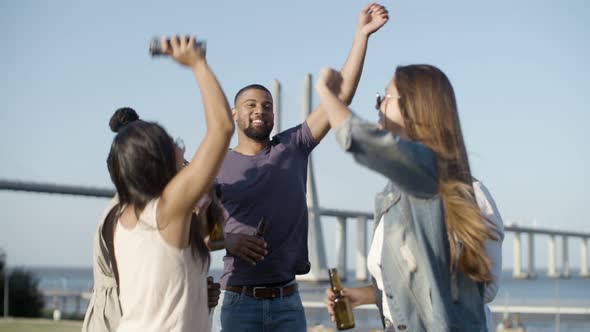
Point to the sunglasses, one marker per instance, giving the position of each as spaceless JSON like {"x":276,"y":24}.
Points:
{"x":380,"y":98}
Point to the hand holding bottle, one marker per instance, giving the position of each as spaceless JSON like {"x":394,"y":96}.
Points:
{"x":250,"y":248}
{"x":213,"y":292}
{"x":356,"y":297}
{"x":339,"y":306}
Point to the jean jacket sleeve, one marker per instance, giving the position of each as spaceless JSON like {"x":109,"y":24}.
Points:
{"x":409,"y":164}
{"x":493,"y":221}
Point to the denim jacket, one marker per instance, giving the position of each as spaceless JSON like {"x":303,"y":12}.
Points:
{"x":421,"y":291}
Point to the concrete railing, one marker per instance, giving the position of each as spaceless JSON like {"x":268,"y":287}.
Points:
{"x":531,"y":232}
{"x":361,"y":218}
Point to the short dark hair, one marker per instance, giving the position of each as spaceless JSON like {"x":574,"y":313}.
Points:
{"x":249,"y":87}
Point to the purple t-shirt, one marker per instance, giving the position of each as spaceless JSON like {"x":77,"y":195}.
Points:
{"x":272,"y":184}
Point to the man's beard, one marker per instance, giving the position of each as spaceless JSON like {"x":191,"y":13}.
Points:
{"x":258,"y":134}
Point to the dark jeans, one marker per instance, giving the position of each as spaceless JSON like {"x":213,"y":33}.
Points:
{"x":240,"y":312}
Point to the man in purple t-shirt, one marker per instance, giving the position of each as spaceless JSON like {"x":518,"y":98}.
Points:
{"x":267,"y":178}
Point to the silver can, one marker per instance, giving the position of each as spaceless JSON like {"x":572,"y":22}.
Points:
{"x":156,"y":48}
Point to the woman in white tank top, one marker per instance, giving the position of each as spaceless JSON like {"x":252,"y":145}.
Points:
{"x":161,"y":259}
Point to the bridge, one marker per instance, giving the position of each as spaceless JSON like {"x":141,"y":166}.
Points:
{"x":319,"y":270}
{"x":360,"y":220}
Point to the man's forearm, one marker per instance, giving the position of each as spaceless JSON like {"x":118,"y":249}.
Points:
{"x":335,"y":109}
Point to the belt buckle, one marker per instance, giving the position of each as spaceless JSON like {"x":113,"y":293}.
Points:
{"x":254,"y":289}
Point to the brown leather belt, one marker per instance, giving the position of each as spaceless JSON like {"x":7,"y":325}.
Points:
{"x":264,"y":293}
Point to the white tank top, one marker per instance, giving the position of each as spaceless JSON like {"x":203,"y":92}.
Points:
{"x":162,"y":288}
{"x":373,"y":265}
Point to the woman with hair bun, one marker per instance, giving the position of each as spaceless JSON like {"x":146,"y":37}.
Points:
{"x":158,"y":260}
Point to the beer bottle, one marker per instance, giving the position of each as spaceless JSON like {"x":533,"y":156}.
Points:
{"x":342,"y":309}
{"x":213,"y":215}
{"x":216,"y":233}
{"x":261,"y":227}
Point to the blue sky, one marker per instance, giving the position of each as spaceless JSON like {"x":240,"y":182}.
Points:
{"x":519,"y":69}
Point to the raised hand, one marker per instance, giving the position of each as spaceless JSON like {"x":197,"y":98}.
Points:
{"x":329,"y":78}
{"x":182,"y":50}
{"x":251,"y":249}
{"x":372,"y":18}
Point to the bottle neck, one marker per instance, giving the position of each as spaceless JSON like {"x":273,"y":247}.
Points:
{"x":335,"y":282}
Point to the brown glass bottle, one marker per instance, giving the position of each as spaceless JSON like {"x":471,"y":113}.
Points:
{"x":216,"y":233}
{"x":342,"y":309}
{"x":261,"y":227}
{"x":213,"y":218}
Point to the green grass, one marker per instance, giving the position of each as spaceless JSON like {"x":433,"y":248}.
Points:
{"x":38,"y":325}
